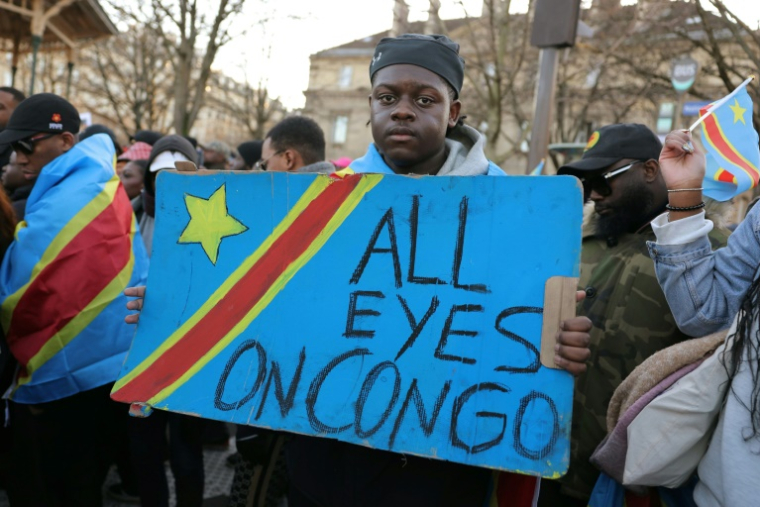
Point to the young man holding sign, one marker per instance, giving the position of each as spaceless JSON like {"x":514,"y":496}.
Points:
{"x":415,"y":117}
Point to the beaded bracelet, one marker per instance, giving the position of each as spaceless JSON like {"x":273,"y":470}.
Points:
{"x":685,"y":190}
{"x":685,"y":208}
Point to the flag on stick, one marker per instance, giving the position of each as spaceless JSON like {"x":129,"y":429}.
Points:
{"x":733,"y":156}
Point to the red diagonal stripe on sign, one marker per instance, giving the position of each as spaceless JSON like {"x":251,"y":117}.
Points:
{"x":83,"y":268}
{"x":242,"y":296}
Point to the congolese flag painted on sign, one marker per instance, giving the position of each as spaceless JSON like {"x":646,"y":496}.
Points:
{"x":393,"y":312}
{"x":62,"y":279}
{"x":733,"y":156}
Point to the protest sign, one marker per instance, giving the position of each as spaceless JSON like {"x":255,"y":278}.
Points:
{"x":392,"y":312}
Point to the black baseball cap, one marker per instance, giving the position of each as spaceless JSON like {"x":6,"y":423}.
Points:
{"x":613,"y":143}
{"x":42,"y":112}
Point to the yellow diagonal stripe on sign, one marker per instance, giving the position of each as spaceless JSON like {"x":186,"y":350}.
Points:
{"x":316,"y":188}
{"x":365,"y":185}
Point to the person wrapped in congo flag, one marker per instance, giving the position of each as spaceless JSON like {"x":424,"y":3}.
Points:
{"x":62,"y":307}
{"x":62,"y":279}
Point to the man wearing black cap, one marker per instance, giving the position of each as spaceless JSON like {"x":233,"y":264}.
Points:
{"x":631,"y":319}
{"x":41,"y":130}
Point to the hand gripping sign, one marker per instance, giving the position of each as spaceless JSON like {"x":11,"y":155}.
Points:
{"x":392,"y":312}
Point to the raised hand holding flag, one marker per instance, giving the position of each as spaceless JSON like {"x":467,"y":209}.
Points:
{"x":731,"y":144}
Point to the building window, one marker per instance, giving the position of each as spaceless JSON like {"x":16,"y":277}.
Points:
{"x":340,"y":129}
{"x":346,"y":72}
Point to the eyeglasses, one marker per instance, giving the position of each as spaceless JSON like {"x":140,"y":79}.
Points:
{"x":600,"y":184}
{"x":26,"y":146}
{"x":261,"y":165}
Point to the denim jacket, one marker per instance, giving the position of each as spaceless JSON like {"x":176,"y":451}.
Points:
{"x":705,"y":288}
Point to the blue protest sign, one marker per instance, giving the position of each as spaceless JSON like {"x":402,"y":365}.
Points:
{"x":392,"y":312}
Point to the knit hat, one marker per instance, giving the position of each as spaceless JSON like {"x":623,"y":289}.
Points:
{"x":436,"y":53}
{"x":250,"y":151}
{"x":170,"y":144}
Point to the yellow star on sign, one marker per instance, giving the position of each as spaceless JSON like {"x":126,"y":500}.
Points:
{"x":210,"y":222}
{"x":738,"y":112}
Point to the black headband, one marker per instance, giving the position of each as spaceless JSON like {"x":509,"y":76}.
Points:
{"x":436,"y":53}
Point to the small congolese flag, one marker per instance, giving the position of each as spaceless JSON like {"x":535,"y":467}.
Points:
{"x":63,"y":277}
{"x":733,"y":156}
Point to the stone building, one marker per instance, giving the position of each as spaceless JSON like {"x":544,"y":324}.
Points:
{"x":617,"y":72}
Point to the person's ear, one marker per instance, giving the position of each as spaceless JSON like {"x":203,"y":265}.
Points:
{"x":69,"y":140}
{"x":292,"y":159}
{"x":651,"y":170}
{"x":454,"y":110}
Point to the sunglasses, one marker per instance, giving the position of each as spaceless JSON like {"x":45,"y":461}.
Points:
{"x":26,"y":146}
{"x":601,"y":184}
{"x":261,"y":165}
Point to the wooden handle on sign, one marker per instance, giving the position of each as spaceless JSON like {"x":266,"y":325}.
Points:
{"x":185,"y":166}
{"x":559,"y":305}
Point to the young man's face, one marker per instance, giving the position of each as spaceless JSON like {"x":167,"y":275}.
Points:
{"x":410,"y":112}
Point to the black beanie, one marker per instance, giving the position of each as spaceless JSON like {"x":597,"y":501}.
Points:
{"x":436,"y":53}
{"x":147,"y":136}
{"x":251,"y":152}
{"x":168,"y":143}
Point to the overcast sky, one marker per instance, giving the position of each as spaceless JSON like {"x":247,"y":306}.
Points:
{"x":279,"y":51}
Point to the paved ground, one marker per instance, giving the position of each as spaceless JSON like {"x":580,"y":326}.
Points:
{"x":218,"y":481}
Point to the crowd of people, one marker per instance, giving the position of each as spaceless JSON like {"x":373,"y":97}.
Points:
{"x":74,"y":225}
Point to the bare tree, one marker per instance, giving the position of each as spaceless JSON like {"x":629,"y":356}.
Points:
{"x":129,"y":75}
{"x":253,"y":107}
{"x":619,"y":73}
{"x":192,"y":33}
{"x":595,"y":83}
{"x":733,"y":47}
{"x":500,"y":66}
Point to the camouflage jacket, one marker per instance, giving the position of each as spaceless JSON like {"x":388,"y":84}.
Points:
{"x":631,"y":321}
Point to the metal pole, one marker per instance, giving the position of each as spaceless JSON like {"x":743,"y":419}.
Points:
{"x":68,"y":79}
{"x":678,"y":111}
{"x":544,"y":104}
{"x":36,"y":41}
{"x":14,"y":60}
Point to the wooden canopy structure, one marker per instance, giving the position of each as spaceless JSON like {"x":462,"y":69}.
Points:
{"x":56,"y":25}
